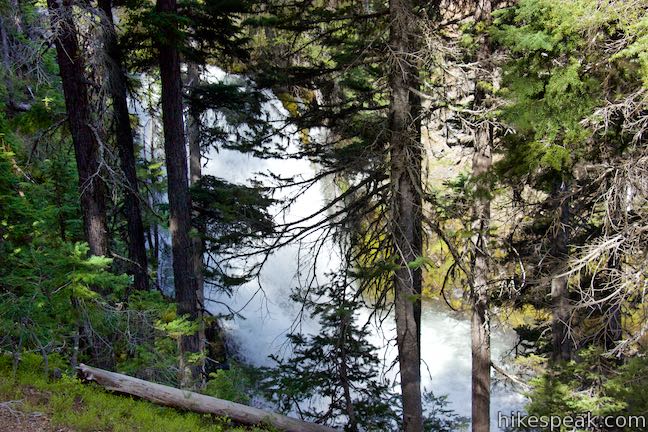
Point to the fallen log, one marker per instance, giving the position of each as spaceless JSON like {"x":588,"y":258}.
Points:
{"x":196,"y":402}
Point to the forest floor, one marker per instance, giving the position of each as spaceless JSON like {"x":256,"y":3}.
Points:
{"x":29,"y":401}
{"x":14,"y":417}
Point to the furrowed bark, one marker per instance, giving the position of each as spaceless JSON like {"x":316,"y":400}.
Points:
{"x":482,"y":161}
{"x":86,"y":145}
{"x":124,"y":137}
{"x":185,"y":280}
{"x":406,"y":156}
{"x":196,"y":402}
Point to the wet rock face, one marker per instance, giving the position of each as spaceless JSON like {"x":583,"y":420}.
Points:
{"x":447,"y":134}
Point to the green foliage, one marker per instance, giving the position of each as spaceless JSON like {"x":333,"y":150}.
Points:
{"x":203,"y":31}
{"x":334,"y":369}
{"x":637,"y":49}
{"x":568,"y":58}
{"x":549,"y":83}
{"x":86,"y":407}
{"x":50,"y":286}
{"x":338,"y":367}
{"x":594,"y":384}
{"x":241,"y":105}
{"x":235,"y":216}
{"x":45,"y":275}
{"x":233,"y":384}
{"x":338,"y":51}
{"x":420,"y":262}
{"x":627,"y":386}
{"x":439,"y":418}
{"x":181,"y":326}
{"x":575,"y":68}
{"x":557,"y":78}
{"x":28,"y":84}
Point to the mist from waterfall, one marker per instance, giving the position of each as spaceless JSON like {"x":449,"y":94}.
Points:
{"x":268,"y":313}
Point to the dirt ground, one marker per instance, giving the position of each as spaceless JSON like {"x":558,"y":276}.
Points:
{"x":13,"y":418}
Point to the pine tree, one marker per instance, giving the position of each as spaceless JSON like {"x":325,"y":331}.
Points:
{"x":574,"y":132}
{"x":479,"y":272}
{"x":332,"y":377}
{"x":549,"y":137}
{"x":126,"y":147}
{"x":86,"y":146}
{"x":185,"y":278}
{"x":373,"y":111}
{"x":404,"y":128}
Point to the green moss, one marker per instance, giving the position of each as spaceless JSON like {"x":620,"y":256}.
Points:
{"x":525,"y":315}
{"x":290,"y":103}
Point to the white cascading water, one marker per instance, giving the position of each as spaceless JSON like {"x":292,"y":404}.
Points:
{"x":270,"y":314}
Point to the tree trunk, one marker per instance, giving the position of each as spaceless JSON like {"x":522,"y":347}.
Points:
{"x":352,"y":425}
{"x":195,"y":173}
{"x":482,"y":161}
{"x":196,"y":402}
{"x":124,"y":134}
{"x":185,"y":280}
{"x":561,"y":342}
{"x":154,"y":252}
{"x":86,"y":144}
{"x":6,"y":61}
{"x":406,"y":155}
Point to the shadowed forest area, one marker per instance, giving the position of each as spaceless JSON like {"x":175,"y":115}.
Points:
{"x":319,"y":215}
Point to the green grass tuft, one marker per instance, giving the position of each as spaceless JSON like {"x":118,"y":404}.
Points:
{"x":87,"y":407}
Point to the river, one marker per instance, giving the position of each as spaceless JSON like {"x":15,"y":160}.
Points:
{"x":269,"y":314}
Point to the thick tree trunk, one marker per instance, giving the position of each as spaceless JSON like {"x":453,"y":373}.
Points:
{"x":482,"y":161}
{"x":185,"y":280}
{"x":124,"y":134}
{"x":196,"y":402}
{"x":406,"y":155}
{"x":86,"y":144}
{"x":562,"y":346}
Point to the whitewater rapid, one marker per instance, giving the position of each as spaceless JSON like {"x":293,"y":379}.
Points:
{"x":268,"y":313}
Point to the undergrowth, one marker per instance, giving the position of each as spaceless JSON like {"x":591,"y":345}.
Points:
{"x":87,"y":407}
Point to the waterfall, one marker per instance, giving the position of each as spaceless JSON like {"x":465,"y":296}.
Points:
{"x":270,"y":314}
{"x":446,"y":358}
